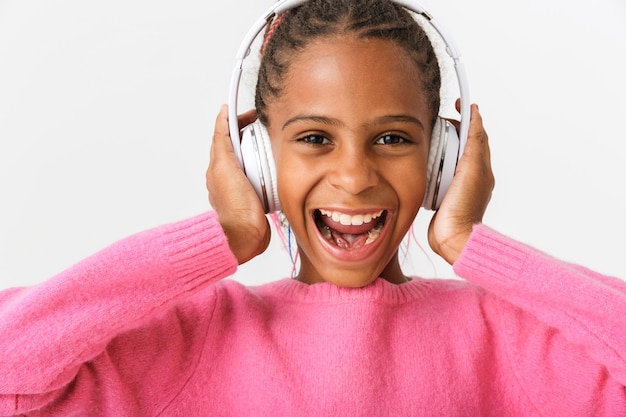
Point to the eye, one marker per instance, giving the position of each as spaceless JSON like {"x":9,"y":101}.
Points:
{"x":314,"y":140}
{"x":390,"y":139}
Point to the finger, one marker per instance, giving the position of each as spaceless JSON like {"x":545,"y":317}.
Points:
{"x":221,"y":122}
{"x":478,"y":133}
{"x":478,"y":143}
{"x":455,"y":123}
{"x":476,"y":158}
{"x":221,"y":144}
{"x":246,"y":118}
{"x":222,"y":127}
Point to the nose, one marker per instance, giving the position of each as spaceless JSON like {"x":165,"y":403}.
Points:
{"x":353,"y":171}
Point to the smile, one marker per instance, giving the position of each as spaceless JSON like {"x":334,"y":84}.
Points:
{"x":350,"y":231}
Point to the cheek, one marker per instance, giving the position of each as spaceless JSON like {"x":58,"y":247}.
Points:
{"x":293,"y":183}
{"x":295,"y":176}
{"x":293,"y":180}
{"x":410,"y":187}
{"x":411,"y":197}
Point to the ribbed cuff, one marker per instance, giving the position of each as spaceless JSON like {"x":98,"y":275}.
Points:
{"x":198,"y":249}
{"x":490,"y":256}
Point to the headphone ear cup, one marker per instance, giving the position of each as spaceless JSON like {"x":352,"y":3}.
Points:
{"x":259,"y":165}
{"x":442,"y":158}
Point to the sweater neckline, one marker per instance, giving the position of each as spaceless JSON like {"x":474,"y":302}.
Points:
{"x":379,"y":290}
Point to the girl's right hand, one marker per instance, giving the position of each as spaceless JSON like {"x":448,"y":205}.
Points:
{"x":237,"y":205}
{"x":466,"y":201}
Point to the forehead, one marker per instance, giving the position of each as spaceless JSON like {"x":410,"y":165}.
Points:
{"x":366,"y":56}
{"x":365,"y":74}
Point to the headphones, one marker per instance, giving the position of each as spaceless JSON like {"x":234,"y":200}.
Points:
{"x":254,"y":151}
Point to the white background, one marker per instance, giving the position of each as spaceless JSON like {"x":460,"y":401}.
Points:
{"x":107,"y":110}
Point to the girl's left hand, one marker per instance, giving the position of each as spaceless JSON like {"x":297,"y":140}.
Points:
{"x":231,"y":195}
{"x":467,"y":198}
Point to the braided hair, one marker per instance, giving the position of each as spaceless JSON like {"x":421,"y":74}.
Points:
{"x":365,"y":19}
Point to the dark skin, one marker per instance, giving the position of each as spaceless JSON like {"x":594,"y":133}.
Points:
{"x":232,"y":196}
{"x":247,"y":229}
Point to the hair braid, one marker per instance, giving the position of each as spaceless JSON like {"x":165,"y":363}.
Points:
{"x":291,"y":32}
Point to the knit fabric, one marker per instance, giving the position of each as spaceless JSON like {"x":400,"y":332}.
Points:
{"x":148,"y":327}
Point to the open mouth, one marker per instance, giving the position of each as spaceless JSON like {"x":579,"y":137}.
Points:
{"x":347,"y":231}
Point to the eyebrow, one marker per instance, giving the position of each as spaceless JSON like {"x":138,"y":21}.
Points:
{"x":313,"y":118}
{"x":336,"y":122}
{"x":399,"y":118}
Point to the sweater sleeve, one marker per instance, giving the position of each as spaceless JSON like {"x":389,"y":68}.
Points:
{"x":584,"y":312}
{"x":48,"y":331}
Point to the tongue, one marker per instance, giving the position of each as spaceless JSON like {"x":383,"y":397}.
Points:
{"x":347,"y":240}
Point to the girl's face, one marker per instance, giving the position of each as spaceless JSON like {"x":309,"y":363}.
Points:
{"x":350,"y":134}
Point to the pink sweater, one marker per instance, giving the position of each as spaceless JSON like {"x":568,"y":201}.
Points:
{"x":147,"y":327}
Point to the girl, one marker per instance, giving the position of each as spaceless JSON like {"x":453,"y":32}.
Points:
{"x":147,"y":326}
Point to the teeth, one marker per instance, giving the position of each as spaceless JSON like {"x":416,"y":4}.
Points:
{"x":347,"y":220}
{"x":373,"y":234}
{"x":326,"y":232}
